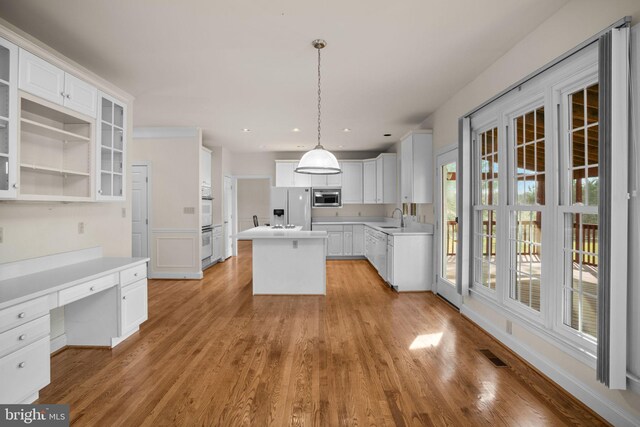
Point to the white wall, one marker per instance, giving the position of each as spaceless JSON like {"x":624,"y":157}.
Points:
{"x":175,"y":190}
{"x":571,"y":25}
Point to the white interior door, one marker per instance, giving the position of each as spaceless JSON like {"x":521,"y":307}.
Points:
{"x":140,"y":211}
{"x":228,"y":217}
{"x":447,"y":226}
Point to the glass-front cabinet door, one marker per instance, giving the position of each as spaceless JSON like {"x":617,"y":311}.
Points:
{"x":8,"y":119}
{"x":111,"y":149}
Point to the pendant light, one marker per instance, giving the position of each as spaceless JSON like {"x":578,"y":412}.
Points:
{"x":319,"y":161}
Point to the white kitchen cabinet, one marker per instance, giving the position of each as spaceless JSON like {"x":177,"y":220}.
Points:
{"x":351,"y":182}
{"x":347,"y":241}
{"x":416,"y":167}
{"x":111,"y":149}
{"x":386,"y":178}
{"x":287,"y":177}
{"x":217,"y":243}
{"x":358,"y":240}
{"x":335,"y":243}
{"x":80,"y":95}
{"x":133,"y":307}
{"x":56,"y":152}
{"x":284,"y":174}
{"x":205,"y":167}
{"x":410,"y":262}
{"x":369,"y":181}
{"x":8,"y":120}
{"x":49,"y":82}
{"x":329,"y":181}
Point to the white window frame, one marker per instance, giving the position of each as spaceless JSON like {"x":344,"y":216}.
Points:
{"x":548,"y":323}
{"x":483,"y":124}
{"x":561,"y":92}
{"x":534,"y":98}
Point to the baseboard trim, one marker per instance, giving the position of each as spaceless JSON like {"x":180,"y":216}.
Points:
{"x":58,"y":343}
{"x":118,"y":340}
{"x":604,"y":407}
{"x":188,"y":276}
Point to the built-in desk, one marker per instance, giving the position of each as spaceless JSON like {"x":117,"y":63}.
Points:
{"x":104,"y":300}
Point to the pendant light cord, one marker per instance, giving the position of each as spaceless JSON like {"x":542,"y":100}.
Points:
{"x":319,"y":100}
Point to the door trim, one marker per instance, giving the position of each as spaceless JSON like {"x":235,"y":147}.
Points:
{"x":149,"y":210}
{"x":448,"y":291}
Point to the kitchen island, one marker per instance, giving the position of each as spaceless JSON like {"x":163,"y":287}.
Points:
{"x":287,"y":261}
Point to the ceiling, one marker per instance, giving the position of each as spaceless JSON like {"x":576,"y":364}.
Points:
{"x":229,"y":65}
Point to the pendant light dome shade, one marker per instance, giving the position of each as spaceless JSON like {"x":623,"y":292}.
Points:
{"x":318,"y":162}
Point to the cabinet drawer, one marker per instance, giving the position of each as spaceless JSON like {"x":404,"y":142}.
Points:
{"x":133,"y":274}
{"x":20,"y":336}
{"x":348,"y":228}
{"x":25,"y":312}
{"x":82,"y":290}
{"x":25,"y":371}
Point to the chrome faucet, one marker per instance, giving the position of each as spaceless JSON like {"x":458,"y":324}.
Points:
{"x":401,"y":216}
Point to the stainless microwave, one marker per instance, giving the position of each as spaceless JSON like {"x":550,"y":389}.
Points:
{"x":327,"y":197}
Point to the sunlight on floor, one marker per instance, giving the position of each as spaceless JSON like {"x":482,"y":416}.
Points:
{"x":425,"y":341}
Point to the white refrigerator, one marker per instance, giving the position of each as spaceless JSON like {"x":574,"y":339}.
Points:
{"x":294,"y":204}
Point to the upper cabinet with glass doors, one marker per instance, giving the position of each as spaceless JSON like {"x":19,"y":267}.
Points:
{"x":111,"y":148}
{"x":8,"y":119}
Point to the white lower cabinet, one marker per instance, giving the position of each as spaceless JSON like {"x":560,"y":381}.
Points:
{"x":25,"y":372}
{"x":334,"y":243}
{"x":133,"y":306}
{"x":358,"y":240}
{"x":410,"y":262}
{"x":217,"y":243}
{"x":343,"y":240}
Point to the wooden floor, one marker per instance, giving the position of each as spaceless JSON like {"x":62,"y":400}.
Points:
{"x":213,"y":354}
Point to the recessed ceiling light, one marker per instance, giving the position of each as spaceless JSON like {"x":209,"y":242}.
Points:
{"x":246,"y":130}
{"x":263,"y":146}
{"x":387,"y":134}
{"x":295,"y":130}
{"x":339,"y":146}
{"x":300,"y":146}
{"x":346,"y":130}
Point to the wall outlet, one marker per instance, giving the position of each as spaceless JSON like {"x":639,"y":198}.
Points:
{"x":189,"y":210}
{"x":509,"y":327}
{"x":124,"y":212}
{"x":1,"y":234}
{"x":359,"y":213}
{"x":295,"y":244}
{"x":336,"y":213}
{"x":81,"y":228}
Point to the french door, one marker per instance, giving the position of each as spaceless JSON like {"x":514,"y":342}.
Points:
{"x":446,"y":235}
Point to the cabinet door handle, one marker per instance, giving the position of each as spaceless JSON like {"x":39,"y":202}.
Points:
{"x":92,"y":289}
{"x":68,"y":96}
{"x":99,"y":191}
{"x":62,"y":94}
{"x":15,"y":186}
{"x":22,"y":337}
{"x":21,"y":365}
{"x":21,"y":315}
{"x":135,"y":274}
{"x":124,"y":297}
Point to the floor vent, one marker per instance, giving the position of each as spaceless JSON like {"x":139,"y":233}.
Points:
{"x":499,"y":363}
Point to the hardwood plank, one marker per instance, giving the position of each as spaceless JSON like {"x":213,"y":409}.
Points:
{"x":213,"y":354}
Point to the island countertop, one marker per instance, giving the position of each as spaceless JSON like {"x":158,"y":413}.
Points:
{"x":265,"y":232}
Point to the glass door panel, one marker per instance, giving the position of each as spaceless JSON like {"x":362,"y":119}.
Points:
{"x":447,"y":227}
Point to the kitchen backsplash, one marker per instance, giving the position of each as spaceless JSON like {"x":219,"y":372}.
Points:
{"x":351,"y":211}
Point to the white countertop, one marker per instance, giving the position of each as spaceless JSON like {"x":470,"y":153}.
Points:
{"x":266,"y":232}
{"x":26,"y":287}
{"x":411,"y":230}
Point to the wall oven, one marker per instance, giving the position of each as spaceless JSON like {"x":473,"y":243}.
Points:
{"x":207,"y":213}
{"x":327,"y":197}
